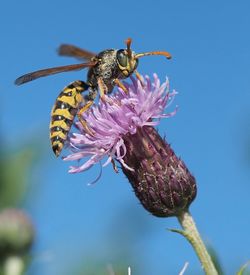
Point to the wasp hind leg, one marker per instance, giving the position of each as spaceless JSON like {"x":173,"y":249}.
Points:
{"x":82,"y":120}
{"x":88,"y":101}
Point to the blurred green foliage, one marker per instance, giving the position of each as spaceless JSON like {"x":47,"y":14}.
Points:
{"x":15,"y":170}
{"x":243,"y":270}
{"x":16,"y":230}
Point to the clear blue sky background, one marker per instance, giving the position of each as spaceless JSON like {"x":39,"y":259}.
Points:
{"x":210,"y":44}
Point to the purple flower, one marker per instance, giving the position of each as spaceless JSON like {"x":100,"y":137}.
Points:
{"x":118,"y":115}
{"x":121,"y":128}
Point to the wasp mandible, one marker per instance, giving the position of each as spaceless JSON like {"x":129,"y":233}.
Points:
{"x":105,"y":70}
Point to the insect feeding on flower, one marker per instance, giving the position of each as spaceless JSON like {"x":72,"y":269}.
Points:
{"x":105,"y":70}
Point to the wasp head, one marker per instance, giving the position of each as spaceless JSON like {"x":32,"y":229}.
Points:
{"x":128,"y":60}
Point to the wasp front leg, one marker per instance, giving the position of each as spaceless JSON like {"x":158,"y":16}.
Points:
{"x":102,"y":88}
{"x":139,"y":77}
{"x":117,"y":82}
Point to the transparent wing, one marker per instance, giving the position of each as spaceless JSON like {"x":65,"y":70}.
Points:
{"x":45,"y":72}
{"x":73,"y":51}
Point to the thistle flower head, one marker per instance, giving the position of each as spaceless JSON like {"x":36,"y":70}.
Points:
{"x":116,"y":116}
{"x":121,"y":128}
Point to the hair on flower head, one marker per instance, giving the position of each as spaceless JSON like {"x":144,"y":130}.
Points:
{"x":111,"y":120}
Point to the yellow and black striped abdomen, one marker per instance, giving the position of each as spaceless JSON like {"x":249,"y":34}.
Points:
{"x":63,"y":113}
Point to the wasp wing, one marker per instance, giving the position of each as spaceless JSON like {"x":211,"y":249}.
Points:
{"x":73,"y":51}
{"x":45,"y":72}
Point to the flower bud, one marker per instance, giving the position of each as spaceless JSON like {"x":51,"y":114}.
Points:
{"x":160,"y":179}
{"x":16,"y":232}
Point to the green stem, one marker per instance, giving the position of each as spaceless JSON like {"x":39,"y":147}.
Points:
{"x":191,"y":233}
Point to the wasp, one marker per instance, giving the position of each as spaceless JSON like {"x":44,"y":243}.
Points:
{"x":105,"y":70}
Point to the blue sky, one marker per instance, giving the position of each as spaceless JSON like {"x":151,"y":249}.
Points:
{"x":210,"y":43}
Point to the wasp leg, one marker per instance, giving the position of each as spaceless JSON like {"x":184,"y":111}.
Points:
{"x":102,"y":87}
{"x":139,"y":77}
{"x":82,"y":120}
{"x":120,"y":84}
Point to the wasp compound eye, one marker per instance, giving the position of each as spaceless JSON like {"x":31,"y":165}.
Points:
{"x":122,"y":58}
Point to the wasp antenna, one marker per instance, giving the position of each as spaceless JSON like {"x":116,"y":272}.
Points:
{"x":166,"y":54}
{"x":128,"y":43}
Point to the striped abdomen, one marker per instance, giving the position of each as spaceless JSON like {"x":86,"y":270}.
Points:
{"x":64,"y":112}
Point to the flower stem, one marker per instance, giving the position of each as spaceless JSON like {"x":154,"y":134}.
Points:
{"x":191,"y":233}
